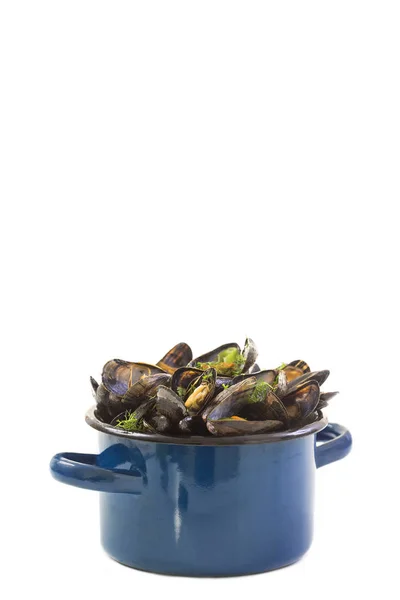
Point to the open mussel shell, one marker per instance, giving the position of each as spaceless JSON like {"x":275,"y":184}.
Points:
{"x":237,"y":426}
{"x":116,"y":376}
{"x":144,"y":389}
{"x":269,"y":408}
{"x":296,"y":369}
{"x":319,"y":376}
{"x":231,"y":401}
{"x":302,"y":402}
{"x":268,"y":376}
{"x":169,"y":404}
{"x":250,"y":354}
{"x":212,"y":356}
{"x":200,"y":391}
{"x":299,"y":364}
{"x":193,"y":426}
{"x":179,"y":356}
{"x":183,"y":377}
{"x":119,"y":375}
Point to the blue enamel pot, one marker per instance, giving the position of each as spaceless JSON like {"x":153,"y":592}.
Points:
{"x":205,"y":506}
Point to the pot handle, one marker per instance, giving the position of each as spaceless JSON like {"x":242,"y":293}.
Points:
{"x":82,"y":470}
{"x":337,"y":444}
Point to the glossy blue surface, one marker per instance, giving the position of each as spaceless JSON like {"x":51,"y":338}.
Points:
{"x":205,"y":510}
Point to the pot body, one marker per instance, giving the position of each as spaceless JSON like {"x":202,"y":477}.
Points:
{"x":205,"y":510}
{"x":223,"y":510}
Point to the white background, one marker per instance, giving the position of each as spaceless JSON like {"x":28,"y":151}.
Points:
{"x":197,"y":171}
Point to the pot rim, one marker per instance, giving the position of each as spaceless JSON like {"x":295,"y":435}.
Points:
{"x":198,"y":440}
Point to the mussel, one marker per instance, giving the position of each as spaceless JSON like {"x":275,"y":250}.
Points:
{"x":179,"y":356}
{"x":266,"y":406}
{"x":169,"y":404}
{"x":230,"y":400}
{"x":182,"y":378}
{"x":146,"y":387}
{"x":319,"y":376}
{"x":251,"y":400}
{"x":250,"y":354}
{"x":228,"y":360}
{"x":295,"y":369}
{"x":108,"y":403}
{"x":267,"y":375}
{"x":302,"y":402}
{"x":194,"y":425}
{"x":222,"y":392}
{"x":119,"y":375}
{"x":200,"y":391}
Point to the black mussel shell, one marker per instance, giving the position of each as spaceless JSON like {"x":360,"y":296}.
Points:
{"x":254,"y":369}
{"x":302,"y":402}
{"x":183,"y":377}
{"x":179,"y":356}
{"x":319,"y":376}
{"x":267,"y":375}
{"x":296,"y":369}
{"x":102,"y":413}
{"x":230,"y":401}
{"x":142,"y":411}
{"x":292,"y":373}
{"x":250,"y":354}
{"x":235,"y":426}
{"x":119,"y":375}
{"x":145,"y":388}
{"x":169,"y":404}
{"x":271,"y":408}
{"x":299,"y":364}
{"x":193,"y":426}
{"x":108,"y":403}
{"x":116,"y":376}
{"x":212,"y":356}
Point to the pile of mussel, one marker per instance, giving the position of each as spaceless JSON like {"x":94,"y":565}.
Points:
{"x":222,"y":392}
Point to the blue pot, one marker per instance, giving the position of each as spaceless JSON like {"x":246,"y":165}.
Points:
{"x":205,"y":506}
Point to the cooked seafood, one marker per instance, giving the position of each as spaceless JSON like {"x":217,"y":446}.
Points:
{"x":222,"y":392}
